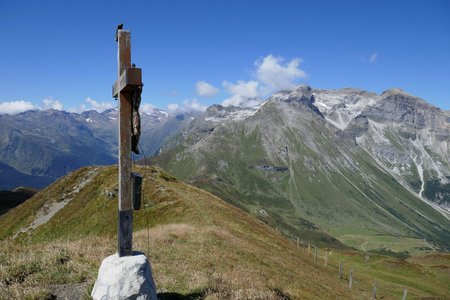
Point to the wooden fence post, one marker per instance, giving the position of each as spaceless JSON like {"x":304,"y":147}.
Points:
{"x":315,"y":255}
{"x":405,"y":292}
{"x":326,"y":260}
{"x":350,"y":279}
{"x":374,"y":290}
{"x":340,"y":270}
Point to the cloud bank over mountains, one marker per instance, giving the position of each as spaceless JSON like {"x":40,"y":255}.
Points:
{"x":270,"y":74}
{"x":15,"y":107}
{"x":188,"y":105}
{"x":18,"y":106}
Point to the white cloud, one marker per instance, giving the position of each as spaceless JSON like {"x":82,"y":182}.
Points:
{"x":205,"y":89}
{"x":100,"y":107}
{"x":50,"y":103}
{"x":172,"y":107}
{"x":373,"y":57}
{"x":277,"y":75}
{"x":248,"y":89}
{"x":188,"y":105}
{"x":193,"y":105}
{"x":271,"y":74}
{"x":146,"y":108}
{"x":243,"y":93}
{"x":15,"y":107}
{"x":78,"y":110}
{"x":238,"y":100}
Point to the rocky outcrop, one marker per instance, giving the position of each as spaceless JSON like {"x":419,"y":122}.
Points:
{"x":127,"y":277}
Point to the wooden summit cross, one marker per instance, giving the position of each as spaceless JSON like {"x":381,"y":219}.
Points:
{"x":130,"y":79}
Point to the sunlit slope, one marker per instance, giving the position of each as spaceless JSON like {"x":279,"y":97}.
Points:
{"x":288,"y":166}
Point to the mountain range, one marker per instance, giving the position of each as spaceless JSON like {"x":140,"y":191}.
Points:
{"x":37,"y":147}
{"x":360,"y":166}
{"x":371,"y":169}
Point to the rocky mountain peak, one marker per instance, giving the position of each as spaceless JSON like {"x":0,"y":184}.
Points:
{"x":400,"y":95}
{"x":215,"y":108}
{"x":394,"y":91}
{"x":301,"y":94}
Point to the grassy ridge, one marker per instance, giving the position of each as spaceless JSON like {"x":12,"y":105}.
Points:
{"x":200,"y":248}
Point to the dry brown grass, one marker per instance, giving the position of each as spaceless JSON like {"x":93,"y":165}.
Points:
{"x":186,"y":259}
{"x":28,"y":270}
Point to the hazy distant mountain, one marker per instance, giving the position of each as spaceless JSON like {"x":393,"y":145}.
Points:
{"x":349,"y":162}
{"x":11,"y":199}
{"x":10,"y":178}
{"x":36,"y":147}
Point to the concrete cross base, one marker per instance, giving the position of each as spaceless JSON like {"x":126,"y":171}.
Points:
{"x":127,"y":277}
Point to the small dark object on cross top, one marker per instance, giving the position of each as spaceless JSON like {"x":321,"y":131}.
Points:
{"x":119,"y":27}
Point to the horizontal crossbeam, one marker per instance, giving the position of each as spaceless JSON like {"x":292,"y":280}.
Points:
{"x":130,"y":78}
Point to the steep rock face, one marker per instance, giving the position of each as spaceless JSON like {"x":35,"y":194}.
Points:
{"x":304,"y":158}
{"x":407,"y":136}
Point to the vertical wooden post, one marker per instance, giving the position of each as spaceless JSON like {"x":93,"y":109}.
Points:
{"x":374,"y":290}
{"x":298,"y":242}
{"x":309,"y":248}
{"x":350,"y":279}
{"x":125,"y":226}
{"x":325,"y":260}
{"x":315,"y":255}
{"x":340,"y":270}
{"x":405,"y":292}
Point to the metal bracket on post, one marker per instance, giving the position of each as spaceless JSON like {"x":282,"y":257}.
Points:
{"x":137,"y":189}
{"x":125,"y":232}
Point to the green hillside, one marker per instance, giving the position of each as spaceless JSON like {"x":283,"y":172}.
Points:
{"x":200,"y":248}
{"x":287,"y":167}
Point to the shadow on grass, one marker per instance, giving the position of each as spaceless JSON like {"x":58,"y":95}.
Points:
{"x":202,"y":294}
{"x":176,"y":296}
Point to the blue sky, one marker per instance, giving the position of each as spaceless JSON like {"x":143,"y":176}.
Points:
{"x":62,"y":54}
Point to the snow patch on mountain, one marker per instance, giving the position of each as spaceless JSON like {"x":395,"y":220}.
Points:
{"x":340,"y":107}
{"x":222,"y":114}
{"x":427,"y":159}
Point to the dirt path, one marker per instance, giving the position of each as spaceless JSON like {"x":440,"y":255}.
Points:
{"x":50,"y":208}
